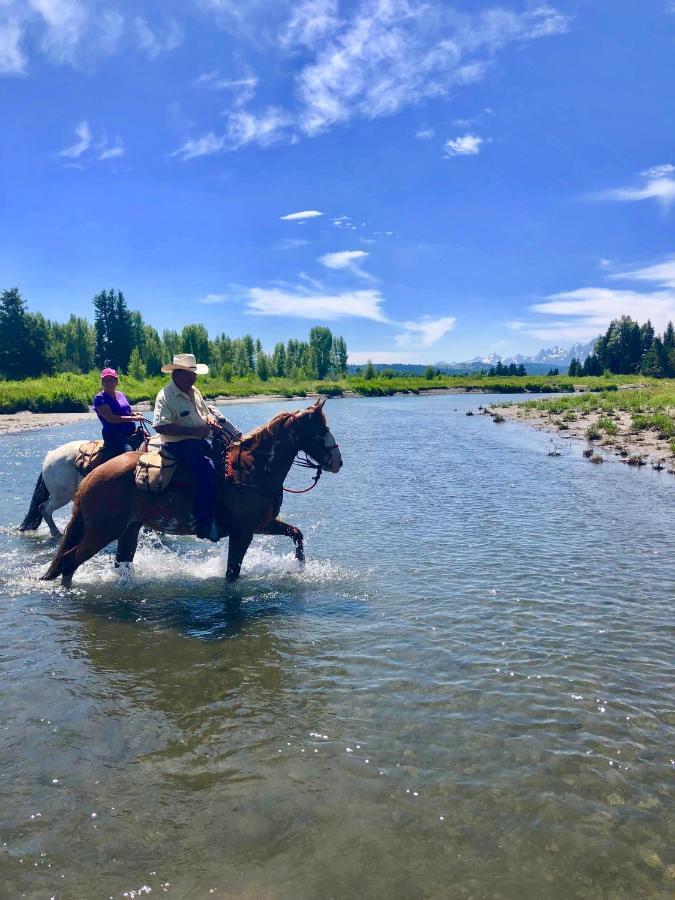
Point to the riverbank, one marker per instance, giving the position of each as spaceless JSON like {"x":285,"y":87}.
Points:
{"x":638,"y":427}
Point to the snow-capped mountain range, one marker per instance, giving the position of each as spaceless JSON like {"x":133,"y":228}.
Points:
{"x":554,"y":355}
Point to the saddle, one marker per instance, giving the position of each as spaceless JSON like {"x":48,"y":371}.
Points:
{"x":155,"y":468}
{"x":89,"y":455}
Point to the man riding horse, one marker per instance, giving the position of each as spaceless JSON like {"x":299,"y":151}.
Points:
{"x":184,"y":422}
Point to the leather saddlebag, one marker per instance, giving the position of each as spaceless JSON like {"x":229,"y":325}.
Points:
{"x":88,"y":456}
{"x":155,"y":469}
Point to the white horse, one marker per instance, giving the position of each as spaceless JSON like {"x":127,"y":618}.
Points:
{"x":56,"y":486}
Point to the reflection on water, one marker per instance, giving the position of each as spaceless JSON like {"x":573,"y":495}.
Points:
{"x":467,"y":692}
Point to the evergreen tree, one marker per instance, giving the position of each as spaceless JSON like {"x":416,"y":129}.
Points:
{"x":79,"y":344}
{"x":575,"y":368}
{"x":369,"y":371}
{"x":262,"y":366}
{"x":522,"y":371}
{"x":195,"y":339}
{"x":113,"y":327}
{"x":592,"y":365}
{"x":321,"y":343}
{"x":137,"y":368}
{"x":338,"y":363}
{"x":24,"y":338}
{"x":279,"y":360}
{"x":646,"y":336}
{"x":171,"y":345}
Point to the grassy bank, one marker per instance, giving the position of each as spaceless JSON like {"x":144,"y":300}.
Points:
{"x":632,"y":423}
{"x":74,"y":393}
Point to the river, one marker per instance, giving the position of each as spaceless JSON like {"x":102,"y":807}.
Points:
{"x":467,"y":692}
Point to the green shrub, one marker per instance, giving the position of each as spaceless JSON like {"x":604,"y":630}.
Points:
{"x":593,"y":433}
{"x":608,"y":425}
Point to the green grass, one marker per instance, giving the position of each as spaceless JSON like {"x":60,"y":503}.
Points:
{"x":73,"y":393}
{"x":607,"y":425}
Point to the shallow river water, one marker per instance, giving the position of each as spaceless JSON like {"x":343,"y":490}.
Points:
{"x":467,"y":692}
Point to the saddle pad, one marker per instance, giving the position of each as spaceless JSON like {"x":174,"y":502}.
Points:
{"x":88,"y":456}
{"x":154,"y":470}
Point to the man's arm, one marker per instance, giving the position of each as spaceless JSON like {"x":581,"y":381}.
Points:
{"x":173,"y":430}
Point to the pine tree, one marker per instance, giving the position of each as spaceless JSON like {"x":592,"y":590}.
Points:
{"x":14,"y":334}
{"x":279,"y":360}
{"x":113,"y":327}
{"x":137,"y":368}
{"x":321,"y":343}
{"x":262,"y":366}
{"x":369,"y":371}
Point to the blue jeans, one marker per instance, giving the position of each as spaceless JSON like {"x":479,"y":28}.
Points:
{"x":113,"y":445}
{"x":194,"y":456}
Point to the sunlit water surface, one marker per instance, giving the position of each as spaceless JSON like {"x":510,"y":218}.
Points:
{"x":467,"y":692}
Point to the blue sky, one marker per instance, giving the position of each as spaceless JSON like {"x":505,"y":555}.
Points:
{"x":434,"y":181}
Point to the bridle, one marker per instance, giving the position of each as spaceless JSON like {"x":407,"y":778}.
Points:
{"x":305,"y":462}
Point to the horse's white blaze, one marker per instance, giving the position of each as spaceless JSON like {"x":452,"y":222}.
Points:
{"x":335,"y":456}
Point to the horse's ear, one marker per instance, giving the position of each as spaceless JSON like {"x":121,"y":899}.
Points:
{"x":318,"y":404}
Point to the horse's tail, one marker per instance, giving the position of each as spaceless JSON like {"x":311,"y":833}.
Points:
{"x":34,"y":514}
{"x":63,"y":561}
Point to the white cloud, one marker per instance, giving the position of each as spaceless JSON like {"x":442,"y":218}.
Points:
{"x":291,"y":243}
{"x":112,"y":152}
{"x":301,"y":216}
{"x":211,"y":299}
{"x":658,"y":183}
{"x":467,"y":145}
{"x":394,"y":53}
{"x":154,"y":41}
{"x":204,"y":146}
{"x":345,"y":259}
{"x":350,"y":304}
{"x":310,"y":22}
{"x":661,"y":273}
{"x":426,"y":332}
{"x":81,"y":146}
{"x":424,"y":134}
{"x":12,"y":57}
{"x":248,"y":128}
{"x":583,"y":313}
{"x":242,"y":90}
{"x":344,"y":222}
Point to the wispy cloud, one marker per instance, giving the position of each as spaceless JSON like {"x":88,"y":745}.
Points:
{"x":157,"y":40}
{"x":86,"y":149}
{"x":344,"y":222}
{"x":113,"y":152}
{"x":206,"y":145}
{"x":345,"y":259}
{"x":266,"y":128}
{"x":212,"y":299}
{"x":467,"y":145}
{"x":349,"y":304}
{"x":424,"y":134}
{"x":377,"y":57}
{"x":242,"y":90}
{"x":657,"y":183}
{"x":394,"y":53}
{"x":81,"y":145}
{"x":301,"y":216}
{"x":582,"y":313}
{"x":291,"y":243}
{"x":12,"y":57}
{"x":425,"y":333}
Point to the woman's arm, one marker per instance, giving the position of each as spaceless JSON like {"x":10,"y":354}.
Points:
{"x":112,"y":418}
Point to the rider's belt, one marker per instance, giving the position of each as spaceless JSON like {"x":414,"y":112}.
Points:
{"x":155,"y":469}
{"x":88,"y":456}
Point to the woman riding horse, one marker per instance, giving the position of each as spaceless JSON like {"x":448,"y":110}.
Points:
{"x":116,"y":416}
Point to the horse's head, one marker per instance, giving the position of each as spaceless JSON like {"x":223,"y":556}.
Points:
{"x":315,"y":437}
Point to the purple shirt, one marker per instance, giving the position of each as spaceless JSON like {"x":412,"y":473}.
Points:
{"x":118,"y":405}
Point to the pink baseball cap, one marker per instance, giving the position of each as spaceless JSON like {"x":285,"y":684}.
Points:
{"x":109,"y":373}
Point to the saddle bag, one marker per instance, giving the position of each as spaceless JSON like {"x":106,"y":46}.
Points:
{"x":155,"y":469}
{"x":88,"y":456}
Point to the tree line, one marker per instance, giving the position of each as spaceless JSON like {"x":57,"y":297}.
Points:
{"x":31,"y":345}
{"x":628,"y":348}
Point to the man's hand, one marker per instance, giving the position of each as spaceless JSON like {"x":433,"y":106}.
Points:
{"x":214,"y":423}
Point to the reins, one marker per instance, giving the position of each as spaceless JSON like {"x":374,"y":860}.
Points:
{"x":306,"y":463}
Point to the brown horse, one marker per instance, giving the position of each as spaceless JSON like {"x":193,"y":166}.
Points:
{"x":109,"y":507}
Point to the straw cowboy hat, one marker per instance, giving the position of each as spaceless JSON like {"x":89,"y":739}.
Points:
{"x":187,"y":362}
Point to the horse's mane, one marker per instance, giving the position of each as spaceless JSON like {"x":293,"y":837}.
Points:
{"x":269,"y":429}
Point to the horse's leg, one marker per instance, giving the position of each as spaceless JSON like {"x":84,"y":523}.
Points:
{"x":278,"y":526}
{"x":127,"y":543}
{"x":49,"y":519}
{"x":239,"y":544}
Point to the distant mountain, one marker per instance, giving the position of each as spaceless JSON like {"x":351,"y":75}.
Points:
{"x":538,"y":364}
{"x":551,"y":356}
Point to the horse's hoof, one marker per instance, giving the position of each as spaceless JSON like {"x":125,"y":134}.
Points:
{"x":66,"y":581}
{"x":300,"y":554}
